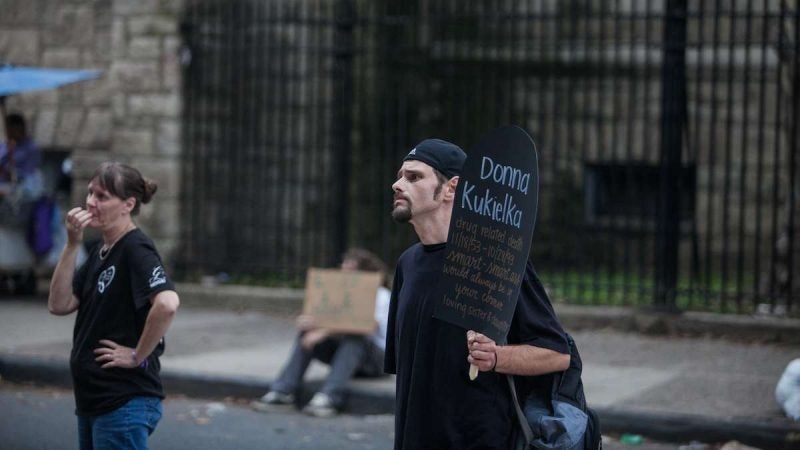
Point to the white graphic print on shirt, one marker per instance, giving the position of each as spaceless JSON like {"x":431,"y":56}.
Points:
{"x":105,"y":279}
{"x":158,"y":277}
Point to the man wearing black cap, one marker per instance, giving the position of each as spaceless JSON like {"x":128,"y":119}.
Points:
{"x":437,"y":406}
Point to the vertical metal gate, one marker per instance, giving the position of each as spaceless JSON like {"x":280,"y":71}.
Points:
{"x":667,"y":133}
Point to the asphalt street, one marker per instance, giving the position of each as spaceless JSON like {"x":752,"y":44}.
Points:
{"x":37,"y":418}
{"x":43,"y":419}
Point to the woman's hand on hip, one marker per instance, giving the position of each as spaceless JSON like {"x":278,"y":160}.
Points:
{"x":115,"y":355}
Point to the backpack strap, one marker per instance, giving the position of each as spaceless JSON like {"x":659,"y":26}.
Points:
{"x":523,"y":422}
{"x":558,"y":379}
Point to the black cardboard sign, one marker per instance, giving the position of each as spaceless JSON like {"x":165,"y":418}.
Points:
{"x":490,"y":233}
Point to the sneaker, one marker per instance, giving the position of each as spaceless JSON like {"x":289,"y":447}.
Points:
{"x":321,"y":405}
{"x":273,"y":400}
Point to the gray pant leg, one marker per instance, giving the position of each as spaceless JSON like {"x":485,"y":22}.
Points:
{"x":345,"y":362}
{"x":292,"y":373}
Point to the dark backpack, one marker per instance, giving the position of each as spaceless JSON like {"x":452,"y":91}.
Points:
{"x":559,"y":423}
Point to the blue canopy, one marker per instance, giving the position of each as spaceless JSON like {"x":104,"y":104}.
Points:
{"x":15,"y":79}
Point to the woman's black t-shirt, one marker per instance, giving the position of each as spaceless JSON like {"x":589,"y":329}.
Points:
{"x":437,"y":406}
{"x":114,"y":295}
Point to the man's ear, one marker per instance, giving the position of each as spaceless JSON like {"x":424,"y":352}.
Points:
{"x":450,"y":192}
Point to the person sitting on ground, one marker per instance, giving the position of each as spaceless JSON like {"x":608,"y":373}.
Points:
{"x":347,"y":354}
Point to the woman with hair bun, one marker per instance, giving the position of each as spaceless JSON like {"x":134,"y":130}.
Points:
{"x":125,"y":303}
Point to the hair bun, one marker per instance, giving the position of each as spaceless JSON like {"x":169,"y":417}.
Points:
{"x":150,"y":188}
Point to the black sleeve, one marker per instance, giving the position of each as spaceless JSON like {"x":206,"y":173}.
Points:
{"x":535,"y":322}
{"x":148,"y":277}
{"x":390,"y":354}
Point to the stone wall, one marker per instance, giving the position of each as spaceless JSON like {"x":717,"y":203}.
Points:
{"x":131,"y":114}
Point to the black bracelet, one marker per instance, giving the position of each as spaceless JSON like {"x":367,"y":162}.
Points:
{"x":495,"y":363}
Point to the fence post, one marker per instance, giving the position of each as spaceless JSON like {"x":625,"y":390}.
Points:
{"x":673,"y":121}
{"x":343,"y":49}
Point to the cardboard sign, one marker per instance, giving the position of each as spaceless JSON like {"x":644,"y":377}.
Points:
{"x":342,"y":300}
{"x":490,"y":233}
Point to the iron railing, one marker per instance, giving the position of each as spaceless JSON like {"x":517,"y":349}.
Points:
{"x":667,"y":133}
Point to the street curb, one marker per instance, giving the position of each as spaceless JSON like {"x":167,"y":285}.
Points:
{"x":670,"y":427}
{"x":737,"y":328}
{"x":55,"y":372}
{"x":748,"y":329}
{"x":49,"y":371}
{"x":687,"y":427}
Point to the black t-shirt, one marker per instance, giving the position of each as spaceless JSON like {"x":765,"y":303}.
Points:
{"x":114,"y":296}
{"x":437,"y":406}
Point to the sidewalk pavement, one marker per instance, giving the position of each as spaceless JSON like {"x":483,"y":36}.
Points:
{"x":703,"y":377}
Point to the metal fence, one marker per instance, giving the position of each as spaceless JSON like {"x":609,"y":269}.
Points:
{"x":667,"y":134}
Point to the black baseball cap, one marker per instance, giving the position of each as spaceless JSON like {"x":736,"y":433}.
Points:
{"x":446,"y":157}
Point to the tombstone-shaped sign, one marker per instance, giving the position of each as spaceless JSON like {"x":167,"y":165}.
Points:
{"x":342,"y":300}
{"x":490,"y":234}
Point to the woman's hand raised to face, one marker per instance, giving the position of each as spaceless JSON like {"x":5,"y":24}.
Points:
{"x":76,"y":221}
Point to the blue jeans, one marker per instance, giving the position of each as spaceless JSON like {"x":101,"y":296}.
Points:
{"x":127,"y":427}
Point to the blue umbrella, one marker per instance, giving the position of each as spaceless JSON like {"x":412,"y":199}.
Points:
{"x":18,"y":79}
{"x":14,"y":79}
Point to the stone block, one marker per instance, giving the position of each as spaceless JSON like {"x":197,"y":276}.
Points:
{"x":47,"y":97}
{"x":163,"y":170}
{"x":98,"y":92}
{"x":171,"y":72}
{"x":119,"y":106}
{"x":132,"y":141}
{"x":134,"y":76}
{"x":45,"y":126}
{"x":68,"y":57}
{"x":69,"y":123}
{"x":102,"y":14}
{"x":84,"y":163}
{"x":96,"y":131}
{"x":171,"y":7}
{"x":19,"y":12}
{"x":164,"y":105}
{"x":20,"y":46}
{"x":101,"y":52}
{"x":70,"y":25}
{"x":137,"y":7}
{"x":144,"y":48}
{"x":152,"y":25}
{"x":119,"y":37}
{"x":71,"y":94}
{"x":172,"y":45}
{"x":171,"y":63}
{"x":142,"y":121}
{"x":161,"y":216}
{"x":168,"y":138}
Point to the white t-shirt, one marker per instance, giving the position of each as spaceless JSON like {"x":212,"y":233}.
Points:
{"x":382,"y":300}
